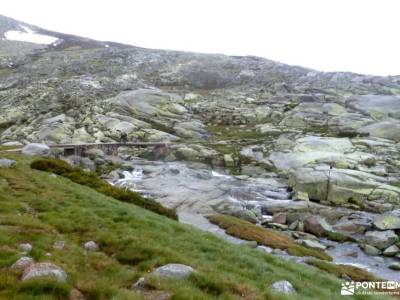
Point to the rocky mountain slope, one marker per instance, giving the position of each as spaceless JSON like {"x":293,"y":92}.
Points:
{"x":81,"y":90}
{"x":301,"y":141}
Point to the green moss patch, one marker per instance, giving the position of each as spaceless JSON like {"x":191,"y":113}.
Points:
{"x":248,"y":231}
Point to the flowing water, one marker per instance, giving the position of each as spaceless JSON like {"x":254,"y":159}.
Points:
{"x":196,"y":190}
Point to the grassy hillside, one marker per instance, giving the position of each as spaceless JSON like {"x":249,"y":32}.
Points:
{"x":93,"y":181}
{"x":41,"y":208}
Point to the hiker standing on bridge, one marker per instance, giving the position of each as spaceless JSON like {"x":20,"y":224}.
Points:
{"x":123,"y":137}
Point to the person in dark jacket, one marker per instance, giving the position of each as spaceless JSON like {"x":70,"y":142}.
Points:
{"x":123,"y":137}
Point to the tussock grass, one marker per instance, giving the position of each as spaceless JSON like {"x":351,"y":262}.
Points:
{"x":339,"y":270}
{"x":5,"y":148}
{"x":248,"y":231}
{"x":39,"y":208}
{"x":45,"y":285}
{"x":92,"y":180}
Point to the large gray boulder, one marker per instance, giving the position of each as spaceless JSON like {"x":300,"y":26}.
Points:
{"x":95,"y":153}
{"x":44,"y":270}
{"x":6,"y":163}
{"x":87,"y":164}
{"x":378,"y":106}
{"x":81,"y":136}
{"x":35,"y":149}
{"x":191,"y":129}
{"x":55,"y":129}
{"x":91,"y":246}
{"x":341,"y":186}
{"x":381,"y":239}
{"x":311,"y":150}
{"x":313,"y":244}
{"x":391,"y":251}
{"x":351,"y":226}
{"x":317,"y":225}
{"x":274,"y":206}
{"x":12,"y":143}
{"x":348,"y":122}
{"x":148,"y":103}
{"x":22,"y":263}
{"x":283,"y":287}
{"x":25,"y":247}
{"x":371,"y":250}
{"x":385,"y":129}
{"x":59,"y":245}
{"x":341,"y":171}
{"x":198,"y":153}
{"x":387,"y":222}
{"x":177,"y":271}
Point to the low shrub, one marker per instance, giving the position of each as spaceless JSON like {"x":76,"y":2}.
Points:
{"x":93,"y":181}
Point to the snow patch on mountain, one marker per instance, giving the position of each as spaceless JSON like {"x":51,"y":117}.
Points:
{"x":28,"y":35}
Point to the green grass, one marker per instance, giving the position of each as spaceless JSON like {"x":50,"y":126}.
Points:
{"x":92,"y":180}
{"x":44,"y":286}
{"x":40,"y":208}
{"x":5,"y":148}
{"x":248,"y":231}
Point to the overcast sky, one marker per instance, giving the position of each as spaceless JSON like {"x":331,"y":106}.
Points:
{"x":361,"y":36}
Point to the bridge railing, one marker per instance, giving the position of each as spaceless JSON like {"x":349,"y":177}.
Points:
{"x":108,"y":148}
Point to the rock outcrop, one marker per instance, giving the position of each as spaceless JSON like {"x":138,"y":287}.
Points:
{"x":44,"y":270}
{"x":177,"y":271}
{"x":283,"y":287}
{"x":6,"y":163}
{"x":35,"y":149}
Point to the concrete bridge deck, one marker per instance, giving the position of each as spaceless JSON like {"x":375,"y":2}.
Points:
{"x":108,"y":148}
{"x":139,"y":144}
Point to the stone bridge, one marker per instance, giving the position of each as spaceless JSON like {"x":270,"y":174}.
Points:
{"x":159,"y":149}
